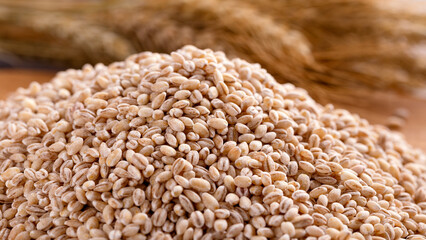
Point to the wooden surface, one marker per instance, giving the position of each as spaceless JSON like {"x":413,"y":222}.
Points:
{"x":376,"y":107}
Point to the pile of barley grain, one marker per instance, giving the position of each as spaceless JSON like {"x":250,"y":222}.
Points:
{"x":193,"y":145}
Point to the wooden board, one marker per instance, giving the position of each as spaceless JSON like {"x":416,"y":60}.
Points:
{"x":375,"y":107}
{"x":10,"y":80}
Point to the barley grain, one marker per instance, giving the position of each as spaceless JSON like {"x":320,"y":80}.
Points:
{"x":217,"y":123}
{"x":199,"y":184}
{"x":242,"y":181}
{"x":209,"y":201}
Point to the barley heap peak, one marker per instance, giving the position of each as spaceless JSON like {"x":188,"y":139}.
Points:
{"x":193,"y":145}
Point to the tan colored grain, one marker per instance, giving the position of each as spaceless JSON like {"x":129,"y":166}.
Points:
{"x":209,"y":201}
{"x":199,"y":184}
{"x":242,"y":181}
{"x":217,"y":123}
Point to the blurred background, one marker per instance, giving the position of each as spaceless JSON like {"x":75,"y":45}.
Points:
{"x":367,"y":56}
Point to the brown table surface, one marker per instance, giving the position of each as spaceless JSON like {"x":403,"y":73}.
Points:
{"x":376,"y":108}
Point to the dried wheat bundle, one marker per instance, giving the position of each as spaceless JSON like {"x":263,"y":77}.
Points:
{"x":60,"y":37}
{"x":359,"y":41}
